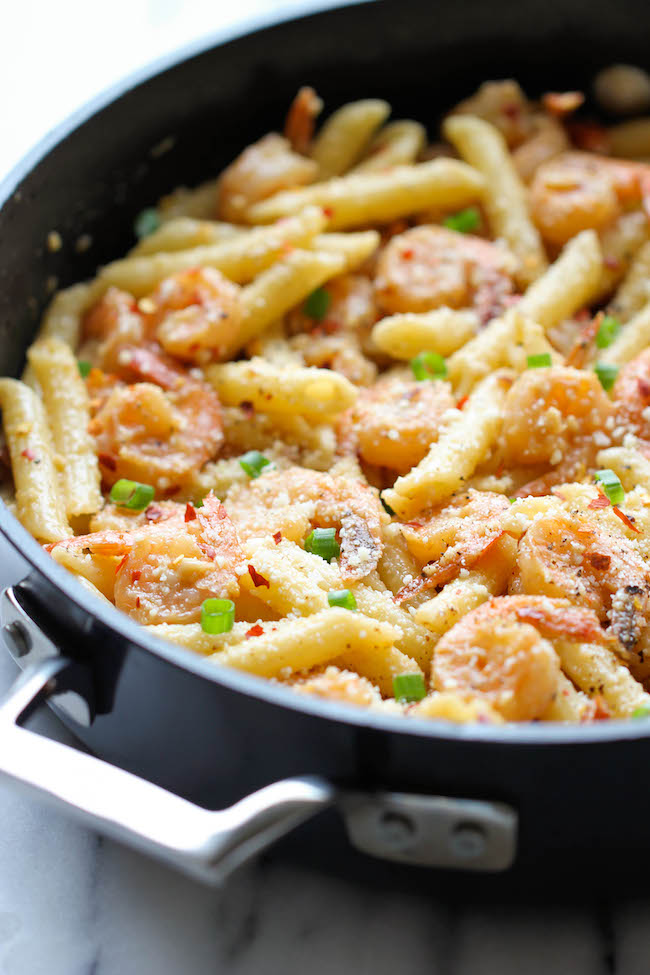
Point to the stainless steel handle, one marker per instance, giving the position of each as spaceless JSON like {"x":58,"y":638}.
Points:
{"x":427,"y":830}
{"x":206,"y":844}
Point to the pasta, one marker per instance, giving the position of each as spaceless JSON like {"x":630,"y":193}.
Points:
{"x":367,"y":420}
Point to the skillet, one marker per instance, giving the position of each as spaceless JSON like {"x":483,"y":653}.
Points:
{"x":204,"y":766}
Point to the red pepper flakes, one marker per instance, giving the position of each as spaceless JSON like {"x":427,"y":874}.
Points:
{"x":601,"y":709}
{"x":137,"y":602}
{"x":258,"y":580}
{"x":600,"y":502}
{"x":107,"y":461}
{"x":256,"y":630}
{"x":135,"y":575}
{"x":328,"y":212}
{"x":627,"y":521}
{"x":277,"y":538}
{"x":408,"y":253}
{"x":120,"y":564}
{"x":190,"y":512}
{"x":461,"y":402}
{"x":28,"y":454}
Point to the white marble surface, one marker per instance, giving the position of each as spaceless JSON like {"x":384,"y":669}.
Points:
{"x":73,"y":904}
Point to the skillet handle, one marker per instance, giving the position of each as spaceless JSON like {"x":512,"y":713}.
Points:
{"x":206,"y":844}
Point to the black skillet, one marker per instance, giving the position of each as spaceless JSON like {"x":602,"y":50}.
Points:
{"x":196,"y":737}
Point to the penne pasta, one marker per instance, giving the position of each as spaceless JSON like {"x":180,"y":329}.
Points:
{"x":396,"y":144}
{"x":66,"y":403}
{"x":366,"y":198}
{"x":39,"y":503}
{"x":199,"y":203}
{"x":345,"y":135}
{"x":597,"y":671}
{"x":454,"y":458}
{"x":185,"y":233}
{"x":633,"y":338}
{"x":634,"y":292}
{"x":483,"y":147}
{"x":443,"y":330}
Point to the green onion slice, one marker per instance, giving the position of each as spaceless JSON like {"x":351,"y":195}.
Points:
{"x":253,"y":462}
{"x":387,"y":508}
{"x":409,"y":687}
{"x":132,"y":494}
{"x":146,"y":222}
{"x":607,"y":373}
{"x":611,"y":485}
{"x":317,"y":304}
{"x":464,"y":221}
{"x":642,"y":712}
{"x":322,"y":541}
{"x":429,"y":365}
{"x":539,"y":361}
{"x":84,"y":367}
{"x":217,"y":615}
{"x":607,"y":331}
{"x":343,"y":598}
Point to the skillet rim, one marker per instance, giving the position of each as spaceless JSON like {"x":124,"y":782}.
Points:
{"x":541,"y":734}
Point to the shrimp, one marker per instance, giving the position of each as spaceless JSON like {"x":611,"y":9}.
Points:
{"x":338,"y":685}
{"x":503,"y":652}
{"x":262,"y":169}
{"x":169,"y":568}
{"x":145,"y":433}
{"x":194,"y":313}
{"x":569,"y":555}
{"x":429,"y":266}
{"x":293,"y":500}
{"x":552,"y":414}
{"x":111,"y":324}
{"x":453,"y":538}
{"x":631,"y":398}
{"x":394,"y":422}
{"x":503,"y":104}
{"x":577,"y":191}
{"x":299,"y":125}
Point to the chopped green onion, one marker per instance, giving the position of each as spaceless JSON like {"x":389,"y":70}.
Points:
{"x":317,"y":304}
{"x":464,"y":221}
{"x":132,"y":494}
{"x":607,"y":373}
{"x":611,"y":485}
{"x":409,"y":687}
{"x":84,"y":367}
{"x":539,"y":361}
{"x":429,"y":365}
{"x":217,"y":615}
{"x":146,"y":222}
{"x":253,"y":462}
{"x":322,"y":541}
{"x":642,"y":712}
{"x":607,"y":331}
{"x":343,"y":598}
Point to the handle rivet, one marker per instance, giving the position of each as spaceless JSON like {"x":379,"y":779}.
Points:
{"x":395,"y":829}
{"x":468,"y":841}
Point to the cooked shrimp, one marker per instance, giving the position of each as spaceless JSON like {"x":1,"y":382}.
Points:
{"x":299,"y":125}
{"x":394,"y":422}
{"x":631,"y":398}
{"x":194,"y":313}
{"x":550,"y":412}
{"x":547,"y":140}
{"x":168,"y":568}
{"x":577,"y":191}
{"x":262,"y":169}
{"x":503,"y":652}
{"x":351,"y":307}
{"x":293,"y":500}
{"x":504,"y":104}
{"x":338,"y":685}
{"x":158,"y":437}
{"x":453,"y":538}
{"x":569,"y":555}
{"x":112,"y":323}
{"x":429,"y":266}
{"x":342,"y":353}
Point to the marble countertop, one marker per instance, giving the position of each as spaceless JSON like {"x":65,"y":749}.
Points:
{"x":74,"y":904}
